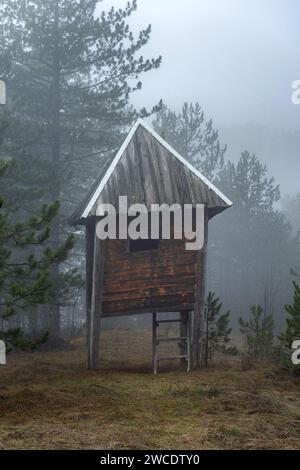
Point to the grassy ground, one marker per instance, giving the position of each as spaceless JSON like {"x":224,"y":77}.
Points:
{"x":50,"y":401}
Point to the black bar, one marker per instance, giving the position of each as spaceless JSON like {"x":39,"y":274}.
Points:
{"x":132,"y":459}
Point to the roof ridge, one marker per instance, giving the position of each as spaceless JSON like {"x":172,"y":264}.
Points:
{"x":84,"y":209}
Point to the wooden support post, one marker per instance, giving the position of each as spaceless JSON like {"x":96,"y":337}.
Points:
{"x":188,"y":341}
{"x":183,"y":334}
{"x":198,"y":316}
{"x":96,"y":302}
{"x":89,"y":263}
{"x":154,"y":344}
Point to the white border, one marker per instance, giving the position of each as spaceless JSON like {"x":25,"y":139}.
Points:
{"x":141,"y":122}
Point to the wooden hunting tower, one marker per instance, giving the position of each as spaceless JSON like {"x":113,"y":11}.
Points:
{"x":126,"y":277}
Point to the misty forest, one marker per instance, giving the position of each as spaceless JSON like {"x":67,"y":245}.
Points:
{"x":75,"y":77}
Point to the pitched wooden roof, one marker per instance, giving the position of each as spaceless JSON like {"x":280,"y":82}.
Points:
{"x":149,"y":171}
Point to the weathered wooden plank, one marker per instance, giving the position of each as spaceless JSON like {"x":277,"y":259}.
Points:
{"x":148,"y":309}
{"x":136,"y":193}
{"x":185,"y":281}
{"x":149,"y":179}
{"x":159,"y":291}
{"x":134,"y":275}
{"x":183,"y":301}
{"x":120,"y":247}
{"x":157,"y":170}
{"x":138,"y":265}
{"x":172,"y":256}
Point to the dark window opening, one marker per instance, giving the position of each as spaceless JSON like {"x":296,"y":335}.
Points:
{"x":143,"y":245}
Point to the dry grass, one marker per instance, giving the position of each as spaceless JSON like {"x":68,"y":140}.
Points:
{"x":50,"y":401}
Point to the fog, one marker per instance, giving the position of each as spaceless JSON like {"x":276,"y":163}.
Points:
{"x":238,"y":59}
{"x":149,"y":223}
{"x":73,"y":92}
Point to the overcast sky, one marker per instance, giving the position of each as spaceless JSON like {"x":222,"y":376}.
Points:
{"x":238,"y":58}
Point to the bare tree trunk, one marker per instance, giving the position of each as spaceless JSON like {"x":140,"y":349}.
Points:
{"x":55,"y":142}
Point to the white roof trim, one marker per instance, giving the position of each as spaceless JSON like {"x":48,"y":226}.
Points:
{"x":185,"y":162}
{"x":141,"y":122}
{"x":111,"y":168}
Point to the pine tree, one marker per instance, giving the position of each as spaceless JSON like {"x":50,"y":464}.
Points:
{"x":249,"y":186}
{"x":26,"y":259}
{"x":292,"y":331}
{"x":24,"y":276}
{"x":218,"y":330}
{"x":72,"y":69}
{"x":259,"y":332}
{"x":192,"y":136}
{"x":252,"y":246}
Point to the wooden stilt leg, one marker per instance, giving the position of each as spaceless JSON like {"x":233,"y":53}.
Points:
{"x":154,"y":343}
{"x":89,"y":255}
{"x":198,"y":316}
{"x":188,"y":341}
{"x":96,"y":304}
{"x":183,"y":334}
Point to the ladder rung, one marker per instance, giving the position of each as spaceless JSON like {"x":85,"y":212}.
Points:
{"x":172,"y":357}
{"x":173,"y":320}
{"x":183,"y":338}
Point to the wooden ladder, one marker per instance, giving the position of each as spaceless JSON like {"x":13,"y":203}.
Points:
{"x":184,"y":340}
